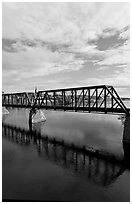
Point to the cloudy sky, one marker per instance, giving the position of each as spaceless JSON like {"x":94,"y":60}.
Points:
{"x":57,"y":45}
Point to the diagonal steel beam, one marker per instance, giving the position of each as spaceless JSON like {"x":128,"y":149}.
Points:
{"x":122,"y":106}
{"x":98,"y":97}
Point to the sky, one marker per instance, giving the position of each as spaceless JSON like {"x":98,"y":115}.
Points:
{"x":60,"y":45}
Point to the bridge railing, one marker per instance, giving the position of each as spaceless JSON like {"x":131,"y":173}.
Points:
{"x":92,"y":98}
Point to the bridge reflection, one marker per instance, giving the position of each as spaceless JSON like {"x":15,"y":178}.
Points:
{"x":96,"y":166}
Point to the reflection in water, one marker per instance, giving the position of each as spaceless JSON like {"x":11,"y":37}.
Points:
{"x":97,"y":166}
{"x":75,"y":127}
{"x":126,"y":147}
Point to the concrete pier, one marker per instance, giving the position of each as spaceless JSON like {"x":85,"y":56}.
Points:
{"x":126,"y":133}
{"x":36,"y":116}
{"x":126,"y":140}
{"x":4,"y":111}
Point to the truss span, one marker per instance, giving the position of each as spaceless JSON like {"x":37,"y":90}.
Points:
{"x":90,"y":99}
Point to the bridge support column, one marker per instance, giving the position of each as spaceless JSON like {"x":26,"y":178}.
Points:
{"x":4,"y":111}
{"x":126,"y":133}
{"x":36,"y":116}
{"x":126,"y":139}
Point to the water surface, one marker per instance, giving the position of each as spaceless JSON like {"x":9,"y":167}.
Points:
{"x":36,"y":169}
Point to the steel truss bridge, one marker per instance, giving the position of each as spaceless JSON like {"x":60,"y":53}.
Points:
{"x":101,"y":98}
{"x":97,"y":167}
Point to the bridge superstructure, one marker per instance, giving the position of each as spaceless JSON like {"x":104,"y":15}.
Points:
{"x":101,"y":98}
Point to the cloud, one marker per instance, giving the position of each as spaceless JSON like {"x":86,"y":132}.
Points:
{"x":41,"y":39}
{"x":62,"y":22}
{"x":40,"y":62}
{"x":116,"y":57}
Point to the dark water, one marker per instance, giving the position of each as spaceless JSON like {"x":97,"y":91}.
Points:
{"x":37,"y":168}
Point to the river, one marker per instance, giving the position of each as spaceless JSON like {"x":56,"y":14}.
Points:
{"x":35,"y":169}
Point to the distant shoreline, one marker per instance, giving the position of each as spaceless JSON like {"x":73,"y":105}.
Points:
{"x":125,"y":99}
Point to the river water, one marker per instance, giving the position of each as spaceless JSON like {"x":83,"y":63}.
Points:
{"x":36,"y":169}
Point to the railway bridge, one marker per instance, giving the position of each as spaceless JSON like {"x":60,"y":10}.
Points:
{"x":101,"y":98}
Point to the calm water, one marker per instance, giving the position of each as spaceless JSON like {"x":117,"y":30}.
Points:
{"x":36,"y":169}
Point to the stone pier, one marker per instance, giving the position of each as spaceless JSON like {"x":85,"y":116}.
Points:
{"x":126,"y":140}
{"x":126,"y":133}
{"x":36,"y":116}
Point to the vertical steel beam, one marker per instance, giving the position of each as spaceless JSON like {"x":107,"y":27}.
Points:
{"x":12,"y":99}
{"x":89,"y":99}
{"x":64,"y":100}
{"x":46,"y":100}
{"x":105,"y":100}
{"x":16,"y":99}
{"x":112,"y":97}
{"x":21,"y":100}
{"x":96,"y":97}
{"x":75,"y":99}
{"x":72,"y":98}
{"x":26,"y":99}
{"x":54,"y":100}
{"x":61,"y":98}
{"x":8,"y":99}
{"x":83,"y":98}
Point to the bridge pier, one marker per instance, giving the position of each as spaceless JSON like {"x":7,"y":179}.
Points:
{"x":36,"y":115}
{"x":4,"y":111}
{"x":126,"y":139}
{"x":126,"y":133}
